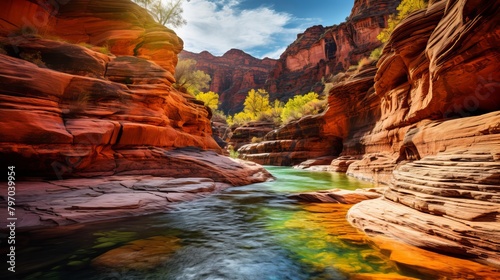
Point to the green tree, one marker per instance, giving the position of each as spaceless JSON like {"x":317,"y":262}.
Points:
{"x":300,"y":106}
{"x":405,"y":8}
{"x":210,"y":99}
{"x":190,"y":80}
{"x":167,"y":13}
{"x":256,"y":103}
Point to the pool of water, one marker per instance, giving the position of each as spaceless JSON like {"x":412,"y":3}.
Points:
{"x":250,"y":232}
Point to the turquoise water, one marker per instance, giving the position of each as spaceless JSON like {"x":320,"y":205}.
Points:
{"x":250,"y":232}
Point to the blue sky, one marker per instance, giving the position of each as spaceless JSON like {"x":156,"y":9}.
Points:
{"x":260,"y":28}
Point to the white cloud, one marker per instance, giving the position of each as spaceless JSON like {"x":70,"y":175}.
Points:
{"x":276,"y":53}
{"x":219,"y":25}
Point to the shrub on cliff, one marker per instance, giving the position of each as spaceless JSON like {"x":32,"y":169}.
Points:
{"x":302,"y":105}
{"x":405,"y":8}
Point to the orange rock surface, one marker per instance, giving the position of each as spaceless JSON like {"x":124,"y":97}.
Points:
{"x":438,"y":127}
{"x":140,"y":254}
{"x":87,"y":91}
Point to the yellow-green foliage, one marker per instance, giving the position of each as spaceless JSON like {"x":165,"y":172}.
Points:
{"x":240,"y":118}
{"x":233,"y":153}
{"x":376,"y":53}
{"x":256,"y":103}
{"x":405,"y":8}
{"x":273,"y":114}
{"x":210,"y":99}
{"x":190,"y":80}
{"x":257,"y":107}
{"x":300,"y":106}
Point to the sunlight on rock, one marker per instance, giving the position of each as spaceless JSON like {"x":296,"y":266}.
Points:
{"x":429,"y":264}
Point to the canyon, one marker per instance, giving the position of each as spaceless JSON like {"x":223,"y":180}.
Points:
{"x":321,"y":51}
{"x":318,"y":52}
{"x":425,"y":123}
{"x":96,"y":131}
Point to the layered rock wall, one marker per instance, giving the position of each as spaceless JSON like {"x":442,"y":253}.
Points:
{"x":439,"y":127}
{"x":294,"y":143}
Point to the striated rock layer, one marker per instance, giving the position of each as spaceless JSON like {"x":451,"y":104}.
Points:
{"x":87,"y":91}
{"x":251,"y":132}
{"x":233,"y":75}
{"x":294,"y":143}
{"x":439,"y":129}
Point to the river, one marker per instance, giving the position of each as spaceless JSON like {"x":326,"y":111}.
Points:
{"x":249,"y":232}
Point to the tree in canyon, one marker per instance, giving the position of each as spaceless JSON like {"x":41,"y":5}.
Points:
{"x":210,"y":99}
{"x":258,"y":107}
{"x":168,"y":13}
{"x":190,"y":80}
{"x":256,"y":103}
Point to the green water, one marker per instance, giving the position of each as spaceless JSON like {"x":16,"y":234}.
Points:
{"x":250,"y":232}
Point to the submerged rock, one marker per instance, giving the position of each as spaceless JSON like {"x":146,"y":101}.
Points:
{"x":140,"y":254}
{"x":339,"y":196}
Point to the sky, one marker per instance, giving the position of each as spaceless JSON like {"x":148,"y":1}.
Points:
{"x":260,"y":28}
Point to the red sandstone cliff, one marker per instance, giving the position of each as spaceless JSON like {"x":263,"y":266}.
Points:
{"x":86,"y":91}
{"x":321,"y":51}
{"x":233,"y":75}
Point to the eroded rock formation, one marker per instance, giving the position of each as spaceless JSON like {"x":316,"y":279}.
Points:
{"x":249,"y":133}
{"x":438,"y":126}
{"x":87,"y":91}
{"x":233,"y":75}
{"x":293,"y":143}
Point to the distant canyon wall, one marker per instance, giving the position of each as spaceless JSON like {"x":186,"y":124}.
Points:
{"x":233,"y":75}
{"x":321,"y":51}
{"x":316,"y":53}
